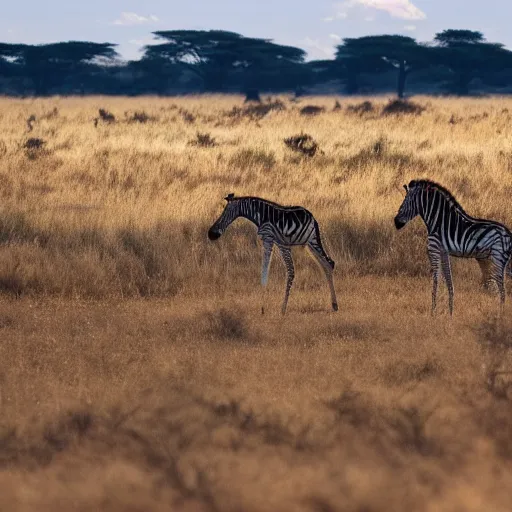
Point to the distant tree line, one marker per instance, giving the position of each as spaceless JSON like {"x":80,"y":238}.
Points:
{"x":193,"y":61}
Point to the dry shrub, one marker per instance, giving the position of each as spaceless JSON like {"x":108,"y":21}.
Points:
{"x":311,"y":110}
{"x":34,"y":148}
{"x":203,"y":140}
{"x":30,"y":122}
{"x":139,"y":116}
{"x":187,"y":116}
{"x":398,"y":107}
{"x":257,"y":111}
{"x":365,"y":107}
{"x":250,"y":158}
{"x":399,"y":373}
{"x":34,"y":143}
{"x":227,"y":325}
{"x":302,"y":143}
{"x":106,"y":116}
{"x":337,"y":106}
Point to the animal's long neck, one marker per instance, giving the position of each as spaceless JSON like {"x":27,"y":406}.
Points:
{"x":253,"y":209}
{"x":437,"y":211}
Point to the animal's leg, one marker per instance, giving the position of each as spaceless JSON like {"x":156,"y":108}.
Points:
{"x":485,"y":267}
{"x":498,"y":265}
{"x":286,"y":254}
{"x":268,"y":245}
{"x":318,"y":254}
{"x":434,"y":255}
{"x":447,"y":273}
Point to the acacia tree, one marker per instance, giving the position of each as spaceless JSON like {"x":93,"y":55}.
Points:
{"x":373,"y":54}
{"x":468,"y":55}
{"x":48,"y":65}
{"x":353,"y":59}
{"x":216,"y":55}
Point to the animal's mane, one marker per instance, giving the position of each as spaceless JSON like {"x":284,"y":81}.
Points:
{"x":444,"y":191}
{"x":266,"y":201}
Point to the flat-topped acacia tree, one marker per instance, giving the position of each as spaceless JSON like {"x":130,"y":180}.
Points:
{"x":468,"y":55}
{"x":48,"y":65}
{"x":374,"y":54}
{"x":215,"y":56}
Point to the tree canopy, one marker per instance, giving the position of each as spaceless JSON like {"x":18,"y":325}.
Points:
{"x":47,"y":64}
{"x":214,"y":54}
{"x":183,"y":61}
{"x":468,"y":55}
{"x":374,"y":54}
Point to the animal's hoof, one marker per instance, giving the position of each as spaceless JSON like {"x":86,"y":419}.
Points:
{"x":262,"y":310}
{"x":334,"y":306}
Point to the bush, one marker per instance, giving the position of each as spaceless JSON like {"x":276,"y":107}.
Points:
{"x":106,"y":116}
{"x":203,"y":140}
{"x":311,"y":110}
{"x":139,"y":117}
{"x":361,"y":108}
{"x":395,"y":107}
{"x":302,"y":143}
{"x":257,"y":111}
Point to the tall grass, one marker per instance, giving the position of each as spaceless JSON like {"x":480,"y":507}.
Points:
{"x":121,"y":209}
{"x":136,"y":370}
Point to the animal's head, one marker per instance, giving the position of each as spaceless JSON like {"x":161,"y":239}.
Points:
{"x":409,"y":208}
{"x":229,"y":214}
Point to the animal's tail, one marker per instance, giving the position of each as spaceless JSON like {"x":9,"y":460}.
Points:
{"x":319,"y":241}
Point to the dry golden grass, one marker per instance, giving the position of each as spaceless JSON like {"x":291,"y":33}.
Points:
{"x":136,"y":371}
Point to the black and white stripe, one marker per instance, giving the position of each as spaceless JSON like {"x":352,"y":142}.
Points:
{"x":451,"y":231}
{"x":284,"y":226}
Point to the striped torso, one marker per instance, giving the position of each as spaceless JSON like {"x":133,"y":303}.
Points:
{"x":461,"y":234}
{"x":288,"y":225}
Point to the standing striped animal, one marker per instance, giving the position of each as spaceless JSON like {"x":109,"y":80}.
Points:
{"x":284,"y":226}
{"x":451,"y":231}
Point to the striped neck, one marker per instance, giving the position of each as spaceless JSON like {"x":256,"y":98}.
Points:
{"x":251,"y":209}
{"x":434,"y":207}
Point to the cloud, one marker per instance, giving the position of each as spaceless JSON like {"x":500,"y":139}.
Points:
{"x":403,"y":9}
{"x":410,"y":28}
{"x":131,"y":18}
{"x":318,"y":50}
{"x":339,"y":15}
{"x":397,"y":8}
{"x":336,"y":37}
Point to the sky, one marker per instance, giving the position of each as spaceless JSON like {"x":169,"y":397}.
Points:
{"x":316,"y":26}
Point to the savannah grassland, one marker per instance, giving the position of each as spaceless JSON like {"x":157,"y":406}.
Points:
{"x":136,"y":370}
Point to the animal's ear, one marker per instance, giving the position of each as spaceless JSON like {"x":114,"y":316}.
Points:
{"x":229,"y":197}
{"x":406,"y":189}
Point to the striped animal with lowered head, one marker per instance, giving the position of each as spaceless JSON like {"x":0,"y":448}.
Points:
{"x":452,"y":232}
{"x":283,"y":226}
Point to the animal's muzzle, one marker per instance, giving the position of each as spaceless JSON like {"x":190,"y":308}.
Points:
{"x":398,"y":223}
{"x":213,"y":235}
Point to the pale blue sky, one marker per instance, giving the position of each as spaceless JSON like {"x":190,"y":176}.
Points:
{"x":317,"y":26}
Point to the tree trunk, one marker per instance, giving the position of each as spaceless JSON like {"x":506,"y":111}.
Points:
{"x":352,"y":85}
{"x":252,"y":95}
{"x":402,"y":77}
{"x":463,"y":83}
